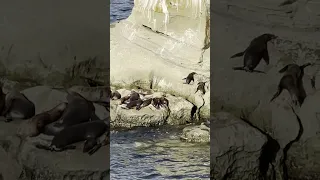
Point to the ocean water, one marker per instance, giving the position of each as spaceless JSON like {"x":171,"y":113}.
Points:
{"x":120,"y":9}
{"x":154,"y":153}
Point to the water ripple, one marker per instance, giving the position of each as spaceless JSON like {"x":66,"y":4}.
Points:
{"x":120,"y":9}
{"x":147,"y":153}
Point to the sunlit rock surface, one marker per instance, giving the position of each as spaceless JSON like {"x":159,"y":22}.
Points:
{"x":179,"y":112}
{"x":159,"y":44}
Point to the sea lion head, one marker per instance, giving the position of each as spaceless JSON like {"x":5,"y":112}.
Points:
{"x":89,"y":144}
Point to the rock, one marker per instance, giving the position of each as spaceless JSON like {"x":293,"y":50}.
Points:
{"x":303,"y":160}
{"x":161,"y":57}
{"x":45,"y":98}
{"x":235,"y":147}
{"x":27,"y":162}
{"x":131,"y":118}
{"x":196,"y":134}
{"x":95,"y":94}
{"x":180,"y":110}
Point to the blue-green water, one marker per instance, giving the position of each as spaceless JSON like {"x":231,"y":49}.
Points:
{"x":120,"y":9}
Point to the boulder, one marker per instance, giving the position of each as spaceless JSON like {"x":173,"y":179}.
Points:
{"x":23,"y":160}
{"x":235,"y":148}
{"x":196,"y":134}
{"x":303,"y":159}
{"x":180,"y":112}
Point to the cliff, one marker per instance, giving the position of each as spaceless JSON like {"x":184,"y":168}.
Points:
{"x":297,"y":25}
{"x":159,"y":44}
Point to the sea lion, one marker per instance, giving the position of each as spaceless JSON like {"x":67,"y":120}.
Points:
{"x":133,"y":96}
{"x":257,"y":50}
{"x":189,"y":78}
{"x":145,"y":103}
{"x":160,"y":102}
{"x":132,"y":104}
{"x":201,"y":87}
{"x":292,"y":82}
{"x":79,"y":110}
{"x":115,"y":95}
{"x":34,"y":126}
{"x":87,"y":131}
{"x":17,"y":106}
{"x":124,"y":99}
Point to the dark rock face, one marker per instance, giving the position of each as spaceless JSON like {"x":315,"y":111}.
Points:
{"x":296,"y":24}
{"x":20,"y":159}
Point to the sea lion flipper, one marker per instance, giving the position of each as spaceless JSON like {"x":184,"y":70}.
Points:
{"x":266,"y":56}
{"x":238,"y":54}
{"x":284,"y":69}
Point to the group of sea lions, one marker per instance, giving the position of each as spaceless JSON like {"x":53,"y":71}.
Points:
{"x":201,"y":85}
{"x":68,"y":122}
{"x":139,"y":100}
{"x":293,"y":73}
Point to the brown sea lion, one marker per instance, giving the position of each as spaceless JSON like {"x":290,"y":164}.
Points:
{"x":79,"y":110}
{"x":115,"y":95}
{"x":145,"y":103}
{"x":17,"y":106}
{"x":34,"y":126}
{"x":87,"y":131}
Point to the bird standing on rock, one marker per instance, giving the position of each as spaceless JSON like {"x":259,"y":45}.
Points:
{"x":189,"y":78}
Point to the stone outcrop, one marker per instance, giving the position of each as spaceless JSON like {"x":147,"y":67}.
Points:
{"x":296,"y":24}
{"x":160,"y":43}
{"x":179,"y":112}
{"x":22,"y":160}
{"x":196,"y":134}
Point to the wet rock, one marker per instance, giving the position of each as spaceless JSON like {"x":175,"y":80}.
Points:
{"x":196,"y":134}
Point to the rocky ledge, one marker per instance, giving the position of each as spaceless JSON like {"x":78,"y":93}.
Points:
{"x":20,"y":159}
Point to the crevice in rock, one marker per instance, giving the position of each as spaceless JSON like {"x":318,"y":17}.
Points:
{"x":155,"y":30}
{"x":268,"y":151}
{"x":285,"y":175}
{"x":193,"y":112}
